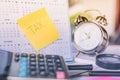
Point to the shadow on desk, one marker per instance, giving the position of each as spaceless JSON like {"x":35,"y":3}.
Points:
{"x":84,"y":59}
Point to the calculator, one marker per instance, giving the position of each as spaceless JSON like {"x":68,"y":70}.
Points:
{"x":37,"y":67}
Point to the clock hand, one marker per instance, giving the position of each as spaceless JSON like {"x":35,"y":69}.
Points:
{"x":83,"y":40}
{"x":88,"y":35}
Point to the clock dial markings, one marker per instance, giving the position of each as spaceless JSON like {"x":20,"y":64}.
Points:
{"x":90,"y":36}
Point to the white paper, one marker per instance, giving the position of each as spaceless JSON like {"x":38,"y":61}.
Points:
{"x":12,"y":38}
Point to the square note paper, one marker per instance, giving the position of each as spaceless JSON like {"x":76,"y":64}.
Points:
{"x":38,"y":28}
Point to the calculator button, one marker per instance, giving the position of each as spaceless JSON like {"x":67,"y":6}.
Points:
{"x":50,"y":68}
{"x":41,"y":67}
{"x":32,"y":67}
{"x":17,"y":59}
{"x":57,"y":60}
{"x":59,"y":68}
{"x":24,"y":59}
{"x":50,"y":64}
{"x":22,"y":74}
{"x":32,"y":63}
{"x":51,"y":74}
{"x":40,"y":56}
{"x":32,"y":59}
{"x":23,"y":64}
{"x":17,"y":55}
{"x":23,"y":69}
{"x":33,"y":73}
{"x":40,"y":59}
{"x":60,"y":75}
{"x":24,"y":55}
{"x":41,"y":63}
{"x":48,"y":56}
{"x":58,"y":65}
{"x":49,"y":60}
{"x":42,"y":73}
{"x":32,"y":56}
{"x":56,"y":56}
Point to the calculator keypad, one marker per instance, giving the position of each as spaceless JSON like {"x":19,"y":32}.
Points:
{"x":45,"y":66}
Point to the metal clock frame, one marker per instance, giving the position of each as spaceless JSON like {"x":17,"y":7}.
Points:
{"x":101,"y":46}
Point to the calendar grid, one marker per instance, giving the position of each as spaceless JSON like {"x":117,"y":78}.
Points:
{"x":12,"y":38}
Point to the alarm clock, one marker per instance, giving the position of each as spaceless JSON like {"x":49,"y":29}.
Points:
{"x":90,"y":38}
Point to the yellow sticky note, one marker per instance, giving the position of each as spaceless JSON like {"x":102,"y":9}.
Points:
{"x":38,"y":28}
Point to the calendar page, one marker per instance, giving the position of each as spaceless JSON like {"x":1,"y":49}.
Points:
{"x":12,"y":38}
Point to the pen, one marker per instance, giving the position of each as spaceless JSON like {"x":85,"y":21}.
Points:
{"x":97,"y":73}
{"x":80,"y":67}
{"x":104,"y":73}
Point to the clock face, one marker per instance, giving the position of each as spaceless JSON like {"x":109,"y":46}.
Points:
{"x":87,"y":36}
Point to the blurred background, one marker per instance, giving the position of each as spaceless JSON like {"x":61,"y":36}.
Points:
{"x":109,"y":8}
